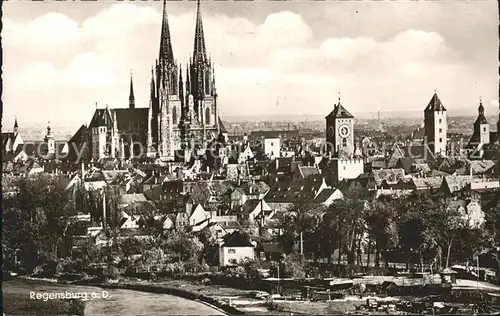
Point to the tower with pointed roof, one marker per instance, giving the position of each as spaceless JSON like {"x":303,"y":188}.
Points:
{"x":16,"y":127}
{"x":200,"y":84}
{"x":131,"y":98}
{"x":166,"y":97}
{"x":436,"y":126}
{"x":481,"y":134}
{"x":50,"y":141}
{"x":339,"y":131}
{"x":343,"y":159}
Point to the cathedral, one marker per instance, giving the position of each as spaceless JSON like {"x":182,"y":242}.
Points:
{"x":182,"y":117}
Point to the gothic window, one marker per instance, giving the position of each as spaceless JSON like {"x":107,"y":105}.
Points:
{"x":207,"y":83}
{"x":174,"y":115}
{"x":207,"y":116}
{"x":344,"y":142}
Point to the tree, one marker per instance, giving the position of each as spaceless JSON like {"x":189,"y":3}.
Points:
{"x":379,"y":218}
{"x":33,"y":218}
{"x":251,"y":268}
{"x":346,"y":216}
{"x":182,"y":245}
{"x":290,"y":267}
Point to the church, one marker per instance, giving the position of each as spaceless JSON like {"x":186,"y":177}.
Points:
{"x":182,"y":117}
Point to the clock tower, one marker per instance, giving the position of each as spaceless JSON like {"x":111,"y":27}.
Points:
{"x":339,"y":132}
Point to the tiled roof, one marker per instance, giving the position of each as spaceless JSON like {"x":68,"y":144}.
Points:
{"x":293,"y":191}
{"x":101,"y":117}
{"x":389,"y":175}
{"x":249,"y":206}
{"x":457,"y":183}
{"x":405,"y":163}
{"x":258,"y":187}
{"x":131,"y":198}
{"x":136,"y":118}
{"x":114,"y":175}
{"x":222,"y":127}
{"x":420,"y":167}
{"x":324,"y":195}
{"x":236,"y":239}
{"x":435,"y":104}
{"x":340,"y":112}
{"x":306,"y":171}
{"x":481,"y":166}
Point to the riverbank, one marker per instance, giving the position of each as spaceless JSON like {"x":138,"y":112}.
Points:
{"x":95,"y":299}
{"x":20,"y":303}
{"x":229,"y":300}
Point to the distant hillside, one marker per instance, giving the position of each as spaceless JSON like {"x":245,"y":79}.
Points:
{"x":467,"y":112}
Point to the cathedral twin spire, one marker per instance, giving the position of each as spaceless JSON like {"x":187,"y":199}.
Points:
{"x":199,"y":50}
{"x":166,"y":55}
{"x":199,"y":73}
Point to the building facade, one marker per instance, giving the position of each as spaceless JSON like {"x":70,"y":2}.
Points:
{"x":345,"y":161}
{"x":182,"y":116}
{"x":436,"y":126}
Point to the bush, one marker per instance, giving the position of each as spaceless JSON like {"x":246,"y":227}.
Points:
{"x":113,"y":273}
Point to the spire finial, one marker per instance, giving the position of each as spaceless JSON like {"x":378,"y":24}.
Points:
{"x":339,"y":97}
{"x":131,"y":98}
{"x":435,"y":91}
{"x":199,"y":53}
{"x":166,"y":52}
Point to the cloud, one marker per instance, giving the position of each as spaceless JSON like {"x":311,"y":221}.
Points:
{"x":43,"y":32}
{"x":90,"y":70}
{"x":37,"y":76}
{"x":284,"y":56}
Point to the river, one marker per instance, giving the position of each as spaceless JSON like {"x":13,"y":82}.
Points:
{"x":111,"y":302}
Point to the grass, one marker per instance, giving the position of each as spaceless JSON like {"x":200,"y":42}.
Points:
{"x":20,"y":304}
{"x":313,"y":308}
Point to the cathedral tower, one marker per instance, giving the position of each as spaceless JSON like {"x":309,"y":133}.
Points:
{"x":200,"y":84}
{"x":166,"y":100}
{"x":131,"y":98}
{"x":436,"y":126}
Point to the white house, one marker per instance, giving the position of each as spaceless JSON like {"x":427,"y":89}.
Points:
{"x":235,"y":248}
{"x":272,"y":147}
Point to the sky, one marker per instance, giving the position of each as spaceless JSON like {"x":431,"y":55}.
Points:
{"x":271,"y":58}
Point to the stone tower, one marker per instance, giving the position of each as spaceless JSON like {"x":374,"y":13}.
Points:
{"x":340,"y":131}
{"x":50,"y":140}
{"x":481,"y":126}
{"x":436,"y":126}
{"x":131,"y":98}
{"x":200,"y":84}
{"x":166,"y":101}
